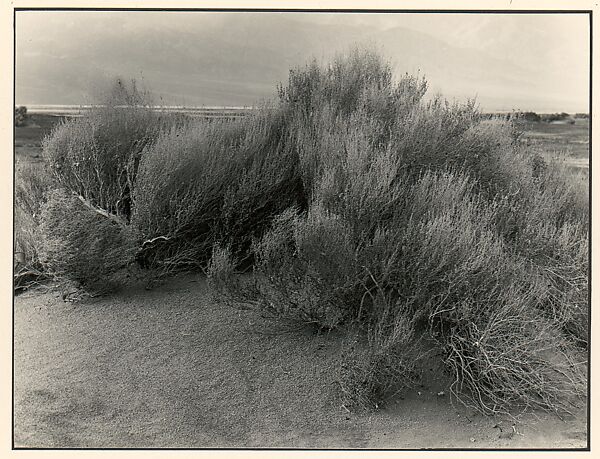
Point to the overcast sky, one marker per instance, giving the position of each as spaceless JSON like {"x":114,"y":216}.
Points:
{"x":528,"y":62}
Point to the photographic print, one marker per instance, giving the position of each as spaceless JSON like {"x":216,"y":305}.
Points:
{"x":301,"y":229}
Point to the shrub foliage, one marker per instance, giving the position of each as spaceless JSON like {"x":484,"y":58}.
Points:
{"x":218,"y":182}
{"x":82,"y":243}
{"x":92,"y":161}
{"x":96,"y":155}
{"x":21,"y":116}
{"x":361,"y":205}
{"x":32,"y":183}
{"x":427,"y":210}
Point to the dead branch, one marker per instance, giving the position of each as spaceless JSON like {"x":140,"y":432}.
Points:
{"x":104,"y":213}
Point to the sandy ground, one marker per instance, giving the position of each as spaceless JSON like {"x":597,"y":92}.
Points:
{"x":171,"y":368}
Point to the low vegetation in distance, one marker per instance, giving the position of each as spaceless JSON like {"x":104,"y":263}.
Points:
{"x":348,"y":202}
{"x":20,"y":116}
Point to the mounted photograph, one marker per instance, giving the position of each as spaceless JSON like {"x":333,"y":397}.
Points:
{"x":301,"y":229}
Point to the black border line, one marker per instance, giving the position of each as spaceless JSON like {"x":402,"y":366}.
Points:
{"x":474,"y":450}
{"x":590,"y":171}
{"x":14,"y":244}
{"x":313,"y":10}
{"x":306,"y":10}
{"x":467,"y":450}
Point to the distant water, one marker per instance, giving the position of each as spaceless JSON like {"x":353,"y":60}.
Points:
{"x":204,"y":111}
{"x":199,"y":111}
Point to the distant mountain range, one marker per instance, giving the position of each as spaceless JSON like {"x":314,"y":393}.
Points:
{"x":240,"y":58}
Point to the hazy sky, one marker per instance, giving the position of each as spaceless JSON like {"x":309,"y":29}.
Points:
{"x":529,"y":62}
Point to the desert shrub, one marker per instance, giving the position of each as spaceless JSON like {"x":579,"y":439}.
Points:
{"x":332,"y":269}
{"x":282,"y":285}
{"x":553,"y":238}
{"x":95,"y":158}
{"x":382,"y":361}
{"x":221,"y":269}
{"x":28,"y":269}
{"x":440,"y":214}
{"x":361,"y":78}
{"x":362,"y":207}
{"x":268,"y":181}
{"x":214,"y":182}
{"x":441,"y":263}
{"x":509,"y":358}
{"x":549,"y":117}
{"x":32,"y":183}
{"x":96,"y":155}
{"x":415,"y":137}
{"x":530,"y":116}
{"x":82,"y":243}
{"x":179,"y":191}
{"x":353,"y":90}
{"x":298,"y":285}
{"x":21,"y":116}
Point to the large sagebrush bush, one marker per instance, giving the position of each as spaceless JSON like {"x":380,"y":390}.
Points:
{"x":439,"y":215}
{"x":363,"y":206}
